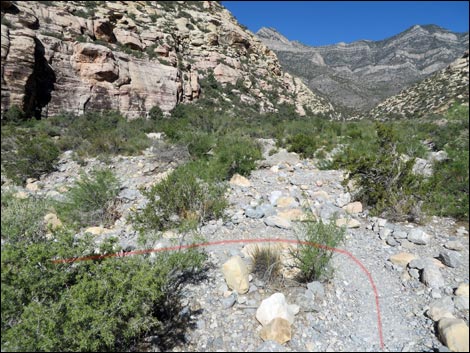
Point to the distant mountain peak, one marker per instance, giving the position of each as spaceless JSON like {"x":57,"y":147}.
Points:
{"x":271,"y":34}
{"x":360,"y":74}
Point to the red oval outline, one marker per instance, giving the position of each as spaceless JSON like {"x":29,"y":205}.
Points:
{"x":237,"y":241}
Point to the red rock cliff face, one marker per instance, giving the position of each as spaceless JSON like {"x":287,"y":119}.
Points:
{"x":130,"y":56}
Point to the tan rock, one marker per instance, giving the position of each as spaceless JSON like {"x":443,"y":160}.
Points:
{"x":350,"y":223}
{"x":181,"y":23}
{"x":62,"y":189}
{"x":169,"y":234}
{"x":162,"y":50}
{"x":278,"y":330}
{"x":353,"y":207}
{"x":18,"y":65}
{"x":321,"y":194}
{"x":294,"y":214}
{"x":94,"y":62}
{"x":462,"y":290}
{"x":276,"y":221}
{"x":195,"y":87}
{"x":32,"y":186}
{"x":128,"y":38}
{"x":22,"y":195}
{"x":118,"y":80}
{"x":286,"y":202}
{"x":52,"y":221}
{"x":212,"y":38}
{"x":236,"y":274}
{"x":239,"y":180}
{"x":402,"y":259}
{"x":454,"y":334}
{"x":95,"y":230}
{"x":438,"y":263}
{"x":226,"y":74}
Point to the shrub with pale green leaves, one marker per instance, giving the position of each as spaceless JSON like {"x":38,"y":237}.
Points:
{"x":26,"y":155}
{"x":90,"y":201}
{"x":181,"y":199}
{"x":94,"y":305}
{"x":312,"y":257}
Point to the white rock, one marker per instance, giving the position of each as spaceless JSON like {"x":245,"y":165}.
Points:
{"x":343,"y":199}
{"x":418,"y":236}
{"x":276,"y":306}
{"x":274,"y":196}
{"x":276,"y":221}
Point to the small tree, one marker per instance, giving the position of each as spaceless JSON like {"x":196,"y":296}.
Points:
{"x":156,"y":113}
{"x":386,"y":180}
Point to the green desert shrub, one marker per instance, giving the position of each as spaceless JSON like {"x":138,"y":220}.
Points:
{"x":181,"y":199}
{"x":200,"y":144}
{"x":27,"y":155}
{"x":303,"y":144}
{"x":101,"y":305}
{"x":313,"y":254}
{"x":22,"y":218}
{"x":94,"y":305}
{"x":14,"y":114}
{"x":447,"y":191}
{"x":236,"y":154}
{"x":107,"y":133}
{"x":385,"y":180}
{"x":90,"y":202}
{"x":156,"y":113}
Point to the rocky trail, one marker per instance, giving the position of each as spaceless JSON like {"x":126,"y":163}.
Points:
{"x":421,"y":272}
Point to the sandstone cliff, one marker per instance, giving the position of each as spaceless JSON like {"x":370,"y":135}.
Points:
{"x":361,"y":74}
{"x":433,"y":95}
{"x":87,"y":55}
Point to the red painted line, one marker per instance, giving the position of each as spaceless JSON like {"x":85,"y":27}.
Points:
{"x":237,"y":241}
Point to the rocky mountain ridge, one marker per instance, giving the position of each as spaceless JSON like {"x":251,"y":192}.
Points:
{"x":433,"y":95}
{"x":361,"y":74}
{"x":130,"y":56}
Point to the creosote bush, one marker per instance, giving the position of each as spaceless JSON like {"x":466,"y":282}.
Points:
{"x":95,"y":305}
{"x":90,"y":201}
{"x":181,"y":199}
{"x":31,"y":148}
{"x":385,"y":180}
{"x":312,"y":259}
{"x":27,"y":156}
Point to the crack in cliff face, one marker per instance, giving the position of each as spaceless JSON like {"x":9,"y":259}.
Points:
{"x":40,"y":84}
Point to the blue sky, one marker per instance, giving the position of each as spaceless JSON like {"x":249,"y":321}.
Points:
{"x":329,"y":22}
